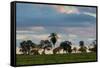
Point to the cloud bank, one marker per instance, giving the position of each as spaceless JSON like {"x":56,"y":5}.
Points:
{"x":35,"y":22}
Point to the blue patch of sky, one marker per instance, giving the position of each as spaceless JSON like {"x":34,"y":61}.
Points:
{"x":30,"y":15}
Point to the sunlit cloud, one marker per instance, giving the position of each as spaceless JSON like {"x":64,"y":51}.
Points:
{"x":74,"y":10}
{"x":72,"y":36}
{"x":30,"y":30}
{"x":66,"y":9}
{"x":91,"y":14}
{"x":37,"y":28}
{"x":33,"y":37}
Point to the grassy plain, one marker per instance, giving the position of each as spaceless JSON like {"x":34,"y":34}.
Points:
{"x":54,"y":58}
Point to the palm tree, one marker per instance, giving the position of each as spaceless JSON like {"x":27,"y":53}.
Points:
{"x":53,"y":38}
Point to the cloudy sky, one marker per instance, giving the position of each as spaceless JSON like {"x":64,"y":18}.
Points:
{"x":36,"y":21}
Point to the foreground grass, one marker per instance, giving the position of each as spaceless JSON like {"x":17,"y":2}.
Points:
{"x":58,"y":58}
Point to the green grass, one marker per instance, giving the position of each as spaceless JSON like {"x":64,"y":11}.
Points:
{"x":58,"y":58}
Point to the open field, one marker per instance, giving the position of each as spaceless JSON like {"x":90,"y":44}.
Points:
{"x":58,"y":58}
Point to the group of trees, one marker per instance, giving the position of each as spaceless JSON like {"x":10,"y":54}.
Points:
{"x":26,"y":46}
{"x":94,"y":49}
{"x":65,"y":45}
{"x":82,"y":47}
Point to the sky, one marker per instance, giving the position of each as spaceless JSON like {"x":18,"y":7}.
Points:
{"x":71,"y":23}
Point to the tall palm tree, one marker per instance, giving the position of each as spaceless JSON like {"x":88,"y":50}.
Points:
{"x":53,"y":38}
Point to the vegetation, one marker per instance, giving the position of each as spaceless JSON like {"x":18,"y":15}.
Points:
{"x":30,"y":52}
{"x":26,"y":46}
{"x":53,"y":38}
{"x":94,"y":49}
{"x":66,"y":45}
{"x":74,"y":49}
{"x":82,"y":47}
{"x":57,"y":58}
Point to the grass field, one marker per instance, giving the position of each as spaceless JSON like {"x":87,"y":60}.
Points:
{"x":58,"y":58}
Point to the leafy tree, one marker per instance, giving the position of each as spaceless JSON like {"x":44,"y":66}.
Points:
{"x":41,"y":44}
{"x":66,"y":45}
{"x":23,"y":47}
{"x":44,"y":43}
{"x":29,"y":45}
{"x":26,"y":46}
{"x":82,"y":47}
{"x":81,"y":43}
{"x":95,"y":45}
{"x":94,"y":49}
{"x":75,"y":49}
{"x":48,"y":44}
{"x":69,"y":49}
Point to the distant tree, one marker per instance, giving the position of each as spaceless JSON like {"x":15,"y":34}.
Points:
{"x":44,"y":43}
{"x":23,"y":47}
{"x":35,"y":52}
{"x":48,"y":44}
{"x":66,"y":45}
{"x":94,"y":49}
{"x":95,"y":43}
{"x":57,"y":50}
{"x":26,"y":46}
{"x":69,"y":49}
{"x":81,"y":43}
{"x":82,"y":47}
{"x":75,"y":49}
{"x":53,"y":38}
{"x":29,"y":45}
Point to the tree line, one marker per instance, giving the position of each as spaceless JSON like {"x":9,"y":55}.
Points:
{"x":26,"y":46}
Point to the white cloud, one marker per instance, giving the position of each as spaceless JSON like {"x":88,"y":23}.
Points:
{"x":90,"y":14}
{"x":90,"y":39}
{"x":34,"y":29}
{"x":32,"y":37}
{"x":37,"y":28}
{"x":40,"y":37}
{"x":20,"y":37}
{"x":72,"y":36}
